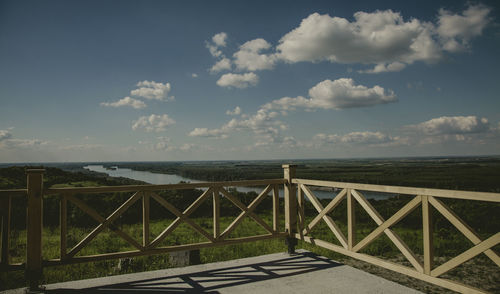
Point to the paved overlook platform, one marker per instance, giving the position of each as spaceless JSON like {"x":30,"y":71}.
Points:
{"x":304,"y":272}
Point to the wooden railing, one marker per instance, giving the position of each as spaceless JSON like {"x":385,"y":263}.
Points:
{"x":426,"y":198}
{"x":295,"y":224}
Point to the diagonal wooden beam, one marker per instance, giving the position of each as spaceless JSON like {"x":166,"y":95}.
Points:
{"x":379,"y":220}
{"x":462,"y":227}
{"x":334,"y":203}
{"x":104,"y":222}
{"x":246,"y":211}
{"x":395,"y":218}
{"x":328,"y":220}
{"x":180,"y":215}
{"x":469,"y":254}
{"x":178,"y":220}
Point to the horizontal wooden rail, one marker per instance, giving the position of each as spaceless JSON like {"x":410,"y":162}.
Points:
{"x":134,"y":188}
{"x":465,"y":195}
{"x":426,"y":198}
{"x":159,"y":250}
{"x":13,"y":192}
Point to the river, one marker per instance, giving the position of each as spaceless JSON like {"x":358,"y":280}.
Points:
{"x":165,"y":179}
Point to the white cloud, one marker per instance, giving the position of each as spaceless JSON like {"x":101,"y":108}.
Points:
{"x":5,"y":135}
{"x":338,"y":94}
{"x":163,"y":144}
{"x":156,"y":123}
{"x":194,"y":75}
{"x":127,"y":101}
{"x":383,"y":67}
{"x":186,"y":147}
{"x":220,"y":39}
{"x":456,"y":30}
{"x":235,"y":111}
{"x":372,"y":38}
{"x":249,"y":56}
{"x":223,"y":64}
{"x":454,"y":125}
{"x":22,"y":143}
{"x":263,"y":124}
{"x":383,"y":39}
{"x":153,"y":90}
{"x":81,"y":147}
{"x":208,"y":133}
{"x":240,"y":81}
{"x":362,"y":138}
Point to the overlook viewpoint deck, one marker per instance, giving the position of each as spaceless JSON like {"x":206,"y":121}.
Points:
{"x":289,"y":219}
{"x":303,"y":272}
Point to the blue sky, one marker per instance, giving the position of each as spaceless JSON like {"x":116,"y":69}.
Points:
{"x":225,"y":80}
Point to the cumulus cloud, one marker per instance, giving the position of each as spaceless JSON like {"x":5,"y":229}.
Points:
{"x":153,"y":90}
{"x":23,"y":143}
{"x":81,"y":147}
{"x":209,"y":133}
{"x":249,"y":56}
{"x":264,"y":124}
{"x":362,"y":138}
{"x":219,"y":39}
{"x":5,"y":135}
{"x":235,"y":111}
{"x":456,"y":30}
{"x":194,"y":75}
{"x":382,"y":67}
{"x":338,"y":94}
{"x":383,"y":39}
{"x":127,"y":101}
{"x":453,"y":125}
{"x":372,"y":38}
{"x":240,"y":81}
{"x":223,"y":64}
{"x":153,"y":123}
{"x":163,"y":144}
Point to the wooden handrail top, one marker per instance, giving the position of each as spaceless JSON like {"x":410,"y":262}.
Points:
{"x":455,"y":194}
{"x":13,"y":192}
{"x":133,"y":188}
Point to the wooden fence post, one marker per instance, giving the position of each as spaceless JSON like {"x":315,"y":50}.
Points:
{"x":5,"y":213}
{"x":290,"y":207}
{"x":34,"y":226}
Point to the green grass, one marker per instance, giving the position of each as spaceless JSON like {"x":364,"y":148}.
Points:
{"x":107,"y":242}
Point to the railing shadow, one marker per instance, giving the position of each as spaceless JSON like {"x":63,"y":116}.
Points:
{"x":211,"y":280}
